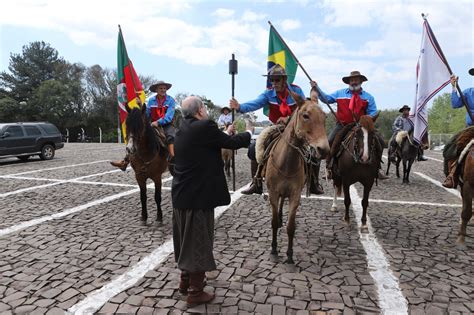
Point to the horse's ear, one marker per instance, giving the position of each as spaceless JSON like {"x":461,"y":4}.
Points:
{"x":314,"y":95}
{"x":298,"y":99}
{"x":376,"y":116}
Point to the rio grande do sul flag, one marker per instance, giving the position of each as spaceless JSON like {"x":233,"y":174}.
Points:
{"x":432,"y":75}
{"x":128,"y":84}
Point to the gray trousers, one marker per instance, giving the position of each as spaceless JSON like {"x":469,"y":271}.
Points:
{"x":193,"y":239}
{"x":169,"y":132}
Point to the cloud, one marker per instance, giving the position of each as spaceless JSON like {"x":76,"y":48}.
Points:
{"x":289,"y":24}
{"x":223,"y":13}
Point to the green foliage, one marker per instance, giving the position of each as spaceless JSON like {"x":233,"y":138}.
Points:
{"x":240,"y":125}
{"x":444,"y":119}
{"x":385,"y":121}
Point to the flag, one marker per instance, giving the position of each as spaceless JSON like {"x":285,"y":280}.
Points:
{"x":279,"y":53}
{"x":432,"y":75}
{"x":128,"y":84}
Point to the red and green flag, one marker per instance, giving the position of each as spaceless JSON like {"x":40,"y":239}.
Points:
{"x":279,"y":53}
{"x":129,"y":86}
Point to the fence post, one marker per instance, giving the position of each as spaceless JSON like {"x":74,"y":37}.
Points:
{"x":119,"y":136}
{"x":100,"y":135}
{"x":83,"y":136}
{"x":67,"y":135}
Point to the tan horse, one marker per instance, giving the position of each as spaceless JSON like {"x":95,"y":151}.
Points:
{"x":147,"y":160}
{"x":467,"y":190}
{"x":285,"y":169}
{"x":227,"y":158}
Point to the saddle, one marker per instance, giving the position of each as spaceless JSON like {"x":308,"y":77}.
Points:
{"x":337,"y":148}
{"x":266,"y":140}
{"x":160,"y":138}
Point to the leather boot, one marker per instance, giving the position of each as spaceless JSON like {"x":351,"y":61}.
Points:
{"x":184,"y":283}
{"x":451,"y":180}
{"x":171,"y":158}
{"x":196,"y":293}
{"x":121,"y":164}
{"x":382,"y":176}
{"x":315,"y":188}
{"x":421,"y":156}
{"x":256,"y":185}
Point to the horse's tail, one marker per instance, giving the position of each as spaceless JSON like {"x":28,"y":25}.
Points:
{"x":400,"y":136}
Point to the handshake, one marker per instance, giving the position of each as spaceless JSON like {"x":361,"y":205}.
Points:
{"x":248,"y":127}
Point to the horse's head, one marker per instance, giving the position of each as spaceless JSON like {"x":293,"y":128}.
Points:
{"x":310,"y":124}
{"x":366,"y":135}
{"x":136,"y":124}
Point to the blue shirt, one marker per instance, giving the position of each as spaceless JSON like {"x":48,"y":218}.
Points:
{"x":456,"y":102}
{"x":270,"y":97}
{"x":347,"y":94}
{"x":169,"y":104}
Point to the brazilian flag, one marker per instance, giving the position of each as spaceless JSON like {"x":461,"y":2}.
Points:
{"x":278,"y":53}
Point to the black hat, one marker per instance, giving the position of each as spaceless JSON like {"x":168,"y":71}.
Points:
{"x":403,"y":108}
{"x":354,"y":74}
{"x":471,"y":71}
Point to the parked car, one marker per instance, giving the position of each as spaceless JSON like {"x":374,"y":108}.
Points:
{"x":257,"y":132}
{"x":26,"y":139}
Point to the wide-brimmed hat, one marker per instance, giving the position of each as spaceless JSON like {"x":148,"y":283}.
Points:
{"x":154,"y":86}
{"x":403,"y":108}
{"x":471,"y":71}
{"x":224,"y":108}
{"x":354,"y":74}
{"x":276,"y":71}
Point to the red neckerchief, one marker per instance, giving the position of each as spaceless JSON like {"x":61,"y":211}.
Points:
{"x":285,"y":110}
{"x":355,"y":103}
{"x":160,"y":109}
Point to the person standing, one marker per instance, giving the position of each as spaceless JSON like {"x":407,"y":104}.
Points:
{"x":199,"y":185}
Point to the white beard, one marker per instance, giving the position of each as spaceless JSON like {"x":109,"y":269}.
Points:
{"x":355,"y":87}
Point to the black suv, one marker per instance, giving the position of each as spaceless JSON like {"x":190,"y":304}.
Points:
{"x":25,"y":139}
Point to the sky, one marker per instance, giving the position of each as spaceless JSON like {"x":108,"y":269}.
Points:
{"x":189,"y":43}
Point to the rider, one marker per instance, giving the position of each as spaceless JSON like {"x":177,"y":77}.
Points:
{"x":450,"y":150}
{"x":281,"y":104}
{"x":160,"y":109}
{"x":401,"y":123}
{"x":352,"y":102}
{"x":225,"y":118}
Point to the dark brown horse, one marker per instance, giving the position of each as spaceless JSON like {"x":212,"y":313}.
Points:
{"x":467,"y":189}
{"x":285,"y":169}
{"x":406,"y":154}
{"x":148,"y":160}
{"x":359,"y":162}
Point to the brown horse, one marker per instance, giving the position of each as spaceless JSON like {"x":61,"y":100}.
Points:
{"x":285,"y":169}
{"x":147,"y":158}
{"x":406,"y":154}
{"x":467,"y":190}
{"x":359,"y":162}
{"x":227,"y":158}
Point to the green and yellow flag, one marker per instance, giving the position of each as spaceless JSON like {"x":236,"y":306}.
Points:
{"x":278,"y":53}
{"x":129,"y":85}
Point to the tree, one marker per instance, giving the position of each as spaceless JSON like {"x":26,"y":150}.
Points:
{"x":385,"y":121}
{"x":444,"y":119}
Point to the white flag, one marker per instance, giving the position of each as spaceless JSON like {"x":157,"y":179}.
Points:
{"x":432,"y":75}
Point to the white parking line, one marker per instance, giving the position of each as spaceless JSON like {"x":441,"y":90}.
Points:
{"x":437,"y":183}
{"x":96,"y":299}
{"x":27,"y":224}
{"x":58,"y":167}
{"x":391,"y":299}
{"x":437,"y":160}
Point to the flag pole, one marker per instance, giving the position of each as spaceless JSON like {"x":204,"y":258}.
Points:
{"x":129,"y":68}
{"x":233,"y":72}
{"x":301,"y":66}
{"x":435,"y":41}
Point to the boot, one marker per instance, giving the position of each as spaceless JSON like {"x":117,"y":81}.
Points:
{"x":121,"y":164}
{"x":196,"y":294}
{"x":171,"y":158}
{"x":256,"y":185}
{"x":382,"y":176}
{"x":421,"y":156}
{"x":315,"y":188}
{"x":184,"y":283}
{"x":451,"y":180}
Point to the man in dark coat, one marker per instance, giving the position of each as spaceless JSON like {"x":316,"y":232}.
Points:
{"x":199,"y":185}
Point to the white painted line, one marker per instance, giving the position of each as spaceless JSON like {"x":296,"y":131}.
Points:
{"x":437,"y":160}
{"x":437,"y":183}
{"x":402,"y":202}
{"x":96,"y":299}
{"x":58,"y":167}
{"x":391,"y":299}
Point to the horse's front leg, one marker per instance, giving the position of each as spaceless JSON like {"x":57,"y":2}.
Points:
{"x":388,"y":166}
{"x":410,"y":163}
{"x":291,"y":226}
{"x":142,"y":185}
{"x":405,"y":164}
{"x":466,"y":213}
{"x":334,"y":200}
{"x":347,"y":201}
{"x":398,"y":167}
{"x":275,"y":221}
{"x":365,"y":204}
{"x":159,"y":213}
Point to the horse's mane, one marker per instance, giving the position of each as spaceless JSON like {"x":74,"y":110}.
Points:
{"x":135,"y":125}
{"x":465,"y":137}
{"x":367,"y":122}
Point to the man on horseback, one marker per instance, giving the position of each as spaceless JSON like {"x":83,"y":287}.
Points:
{"x":225,"y":118}
{"x":352,"y":102}
{"x":402,"y":123}
{"x":452,"y":149}
{"x":160,"y":109}
{"x":281,"y":105}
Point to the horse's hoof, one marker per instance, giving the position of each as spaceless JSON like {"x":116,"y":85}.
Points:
{"x":274,"y":251}
{"x":364,"y":228}
{"x":144,"y":223}
{"x":460,"y":240}
{"x":334,"y":209}
{"x":289,"y":261}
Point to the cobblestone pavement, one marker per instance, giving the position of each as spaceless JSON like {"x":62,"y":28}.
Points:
{"x":50,"y":266}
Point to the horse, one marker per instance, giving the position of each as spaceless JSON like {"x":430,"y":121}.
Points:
{"x":147,"y":157}
{"x":285,"y":168}
{"x":406,"y":154}
{"x":359,"y":161}
{"x":227,"y":157}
